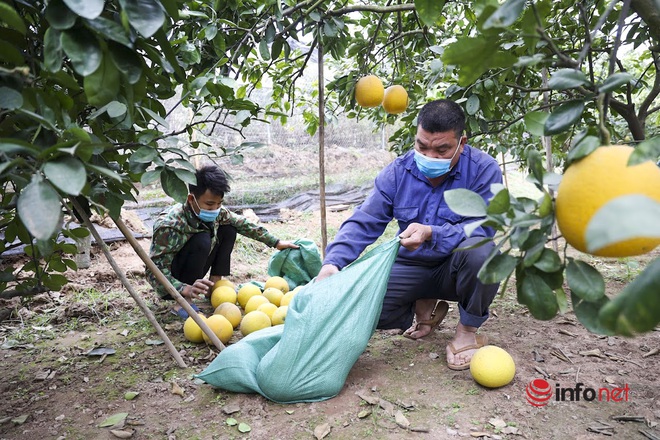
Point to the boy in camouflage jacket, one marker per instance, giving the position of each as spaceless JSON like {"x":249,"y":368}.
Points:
{"x":199,"y":235}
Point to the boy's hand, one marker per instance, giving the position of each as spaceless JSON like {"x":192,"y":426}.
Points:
{"x":201,"y":287}
{"x":281,"y":245}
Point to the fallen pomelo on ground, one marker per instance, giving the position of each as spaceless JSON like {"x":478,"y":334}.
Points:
{"x":223,"y":294}
{"x":279,"y":315}
{"x":246,"y":292}
{"x":274,"y":295}
{"x":230,"y":311}
{"x":254,"y":321}
{"x":254,"y":302}
{"x":192,"y":331}
{"x":278,"y":283}
{"x":492,"y":367}
{"x":221,"y":327}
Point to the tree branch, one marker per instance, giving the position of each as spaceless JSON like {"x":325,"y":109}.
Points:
{"x":372,"y":8}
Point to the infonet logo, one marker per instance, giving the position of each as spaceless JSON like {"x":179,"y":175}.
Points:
{"x":539,"y":392}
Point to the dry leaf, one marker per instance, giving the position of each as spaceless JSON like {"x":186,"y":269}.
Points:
{"x":321,"y":431}
{"x":479,"y":434}
{"x":401,"y":420}
{"x":176,"y":389}
{"x":121,"y":434}
{"x":231,"y":408}
{"x":367,"y":397}
{"x":595,"y":352}
{"x":388,"y":407}
{"x":497,"y":423}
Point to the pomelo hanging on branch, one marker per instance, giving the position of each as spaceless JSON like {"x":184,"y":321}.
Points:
{"x":369,"y":91}
{"x":592,"y":182}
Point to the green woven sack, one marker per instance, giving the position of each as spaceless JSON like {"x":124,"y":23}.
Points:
{"x":296,"y":266}
{"x":328,"y":326}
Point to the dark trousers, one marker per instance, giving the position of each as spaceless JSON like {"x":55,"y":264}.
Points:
{"x":196,"y":257}
{"x":452,"y":279}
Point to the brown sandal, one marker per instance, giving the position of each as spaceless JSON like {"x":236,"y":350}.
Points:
{"x":481,"y":341}
{"x":437,"y":315}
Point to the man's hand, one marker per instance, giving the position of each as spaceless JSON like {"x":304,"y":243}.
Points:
{"x":326,"y":271}
{"x":201,"y":287}
{"x":414,"y":235}
{"x":285,"y":245}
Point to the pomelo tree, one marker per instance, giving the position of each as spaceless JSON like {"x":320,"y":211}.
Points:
{"x":82,"y":86}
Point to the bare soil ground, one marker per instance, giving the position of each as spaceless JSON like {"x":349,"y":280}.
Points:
{"x":52,"y":389}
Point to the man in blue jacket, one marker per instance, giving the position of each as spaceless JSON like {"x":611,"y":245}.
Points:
{"x":427,"y":269}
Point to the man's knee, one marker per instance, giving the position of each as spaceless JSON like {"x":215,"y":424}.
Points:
{"x":474,"y":258}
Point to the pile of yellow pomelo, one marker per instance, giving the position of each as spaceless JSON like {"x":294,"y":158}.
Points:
{"x":370,"y":92}
{"x":246,"y":309}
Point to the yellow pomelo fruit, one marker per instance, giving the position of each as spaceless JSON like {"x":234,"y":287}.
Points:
{"x":223,"y":294}
{"x":278,"y":283}
{"x":369,"y":91}
{"x":254,"y":302}
{"x":192,"y":331}
{"x":246,"y":292}
{"x":274,"y":295}
{"x":231,"y":312}
{"x":221,"y":327}
{"x":286,"y":299}
{"x":254,"y":321}
{"x":279,"y":315}
{"x":268,"y":309}
{"x":492,"y":367}
{"x":298,"y":288}
{"x":395,"y":99}
{"x":590,"y":183}
{"x":224,"y":282}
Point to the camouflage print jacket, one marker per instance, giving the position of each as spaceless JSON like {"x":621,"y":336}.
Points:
{"x":174,"y":227}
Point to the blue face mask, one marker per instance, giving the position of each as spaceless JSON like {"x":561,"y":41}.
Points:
{"x":207,"y":215}
{"x":431,"y":167}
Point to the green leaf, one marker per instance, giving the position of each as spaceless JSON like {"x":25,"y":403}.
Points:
{"x":186,"y":176}
{"x":231,"y":421}
{"x":11,"y":146}
{"x":68,"y":174}
{"x":615,"y":81}
{"x":244,"y":427}
{"x":470,"y":227}
{"x":263,"y":50}
{"x":150,"y":176}
{"x":127,"y":61}
{"x":505,"y":15}
{"x":636,"y":308}
{"x":563,"y":117}
{"x":465,"y":202}
{"x":104,"y":171}
{"x":535,"y":164}
{"x":585,"y":281}
{"x":89,"y":9}
{"x":567,"y":79}
{"x":131,"y":395}
{"x":429,"y":10}
{"x":102,"y":86}
{"x":83,"y":49}
{"x":548,"y":262}
{"x":115,"y":109}
{"x":535,"y":121}
{"x":53,"y":55}
{"x":475,"y":56}
{"x":11,"y":18}
{"x":10,"y":54}
{"x":497,"y":269}
{"x":40,"y":209}
{"x":111,"y":30}
{"x":113,"y":420}
{"x":10,"y":99}
{"x":144,"y":155}
{"x":624,"y":218}
{"x":59,"y":15}
{"x":539,"y":298}
{"x":582,"y":148}
{"x":500,"y":203}
{"x":472,"y":105}
{"x":562,"y":301}
{"x":587,"y":312}
{"x":646,"y":150}
{"x":173,"y":186}
{"x":146,"y":16}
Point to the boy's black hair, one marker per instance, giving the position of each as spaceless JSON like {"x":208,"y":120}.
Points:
{"x":442,"y":115}
{"x":212,"y":178}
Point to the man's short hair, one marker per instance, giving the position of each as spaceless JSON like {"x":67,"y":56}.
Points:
{"x":212,"y":178}
{"x":441,"y":115}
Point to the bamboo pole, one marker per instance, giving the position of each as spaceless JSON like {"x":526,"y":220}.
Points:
{"x":147,"y":312}
{"x":162,"y":279}
{"x":322,"y":201}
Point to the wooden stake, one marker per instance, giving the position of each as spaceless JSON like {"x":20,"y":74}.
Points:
{"x":324,"y":228}
{"x":143,"y":306}
{"x":162,"y":279}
